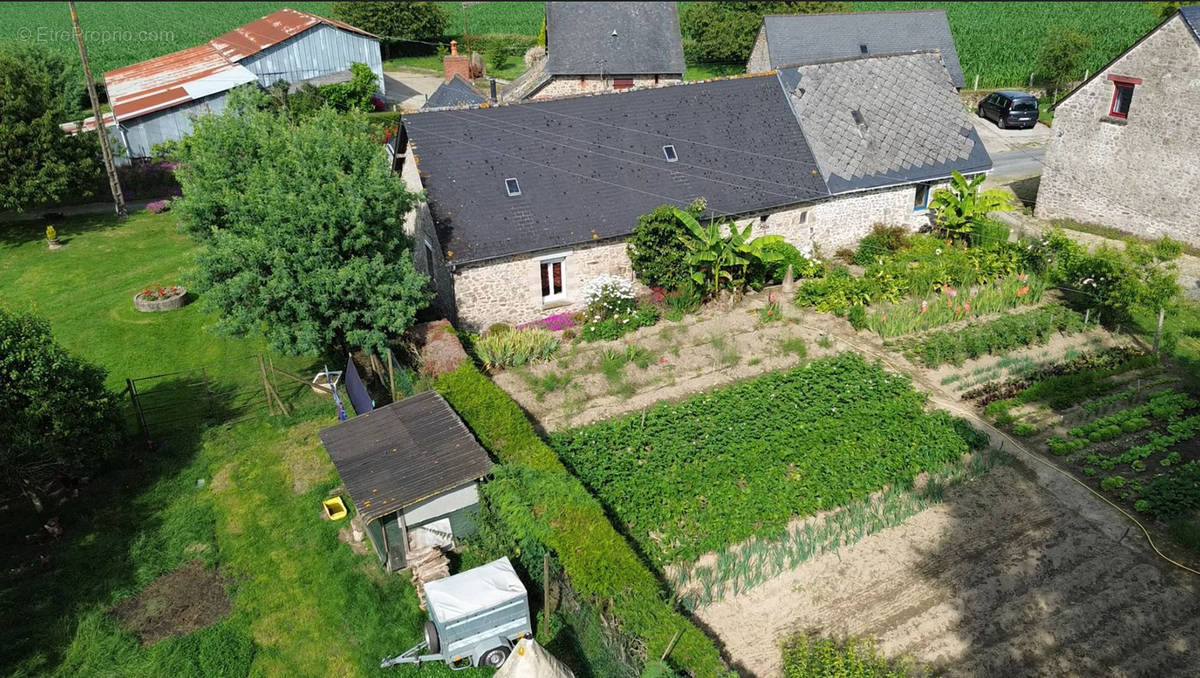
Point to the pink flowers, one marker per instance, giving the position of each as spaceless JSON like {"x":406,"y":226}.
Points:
{"x":924,"y":307}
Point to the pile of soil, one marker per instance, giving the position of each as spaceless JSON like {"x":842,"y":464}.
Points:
{"x":175,"y":604}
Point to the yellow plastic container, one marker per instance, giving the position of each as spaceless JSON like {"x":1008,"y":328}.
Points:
{"x":335,"y":508}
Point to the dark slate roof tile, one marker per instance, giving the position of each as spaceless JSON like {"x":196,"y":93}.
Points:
{"x":805,"y":38}
{"x":579,"y":38}
{"x":1191,"y":17}
{"x":456,"y":92}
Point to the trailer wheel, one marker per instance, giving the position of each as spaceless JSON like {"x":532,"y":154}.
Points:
{"x":431,"y":638}
{"x":494,"y":657}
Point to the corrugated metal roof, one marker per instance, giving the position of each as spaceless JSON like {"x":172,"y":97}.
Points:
{"x":403,"y":453}
{"x":196,"y":72}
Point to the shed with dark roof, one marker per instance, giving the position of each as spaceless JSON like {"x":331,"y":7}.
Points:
{"x":411,"y":469}
{"x":622,"y":38}
{"x":789,"y":40}
{"x":454,"y":92}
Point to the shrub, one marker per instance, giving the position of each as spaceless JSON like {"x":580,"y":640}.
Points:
{"x":881,"y":241}
{"x":51,"y":234}
{"x":499,"y":328}
{"x":681,"y":300}
{"x":654,"y":248}
{"x":424,"y":21}
{"x":619,"y":325}
{"x":540,"y":507}
{"x":806,"y":657}
{"x":158,"y":206}
{"x":781,"y":255}
{"x":608,"y":296}
{"x":989,"y":233}
{"x":512,"y":348}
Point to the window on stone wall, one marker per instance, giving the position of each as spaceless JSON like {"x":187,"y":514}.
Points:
{"x":622,"y":83}
{"x":1122,"y":96}
{"x":921,"y":199}
{"x":552,"y":280}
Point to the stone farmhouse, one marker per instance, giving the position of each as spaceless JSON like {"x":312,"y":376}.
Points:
{"x":793,"y":39}
{"x":154,"y":101}
{"x":1124,"y":150}
{"x":603,"y":46}
{"x":527,"y":202}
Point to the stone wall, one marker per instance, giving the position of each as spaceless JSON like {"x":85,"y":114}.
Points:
{"x":509,"y":289}
{"x":567,"y":85}
{"x":418,"y":224}
{"x":1140,"y":174}
{"x":759,"y":59}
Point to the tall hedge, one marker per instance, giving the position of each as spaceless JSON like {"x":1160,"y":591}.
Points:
{"x":541,"y":504}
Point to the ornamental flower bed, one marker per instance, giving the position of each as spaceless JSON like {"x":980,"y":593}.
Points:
{"x":158,"y":206}
{"x":555,"y":323}
{"x":158,"y":298}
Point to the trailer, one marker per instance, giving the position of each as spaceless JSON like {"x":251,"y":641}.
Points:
{"x":475,"y":618}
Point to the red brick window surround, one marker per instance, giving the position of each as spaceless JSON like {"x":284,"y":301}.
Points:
{"x":1122,"y":95}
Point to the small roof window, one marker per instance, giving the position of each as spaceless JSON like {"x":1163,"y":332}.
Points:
{"x":862,"y":48}
{"x":512,"y":186}
{"x":669,"y":153}
{"x":858,"y":118}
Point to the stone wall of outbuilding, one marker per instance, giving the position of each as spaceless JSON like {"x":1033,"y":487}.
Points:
{"x":1140,"y":174}
{"x":568,"y":85}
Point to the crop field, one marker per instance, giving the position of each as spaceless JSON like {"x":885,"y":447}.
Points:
{"x":696,"y":476}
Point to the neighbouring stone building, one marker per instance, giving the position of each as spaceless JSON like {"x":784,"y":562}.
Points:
{"x":1124,"y":148}
{"x":603,"y":46}
{"x":794,"y":39}
{"x":528,"y":202}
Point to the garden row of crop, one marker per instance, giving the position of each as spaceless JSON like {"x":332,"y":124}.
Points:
{"x":538,"y":506}
{"x":1017,"y":330}
{"x":1063,"y":383}
{"x":692,"y":477}
{"x":741,"y":567}
{"x":1164,"y":406}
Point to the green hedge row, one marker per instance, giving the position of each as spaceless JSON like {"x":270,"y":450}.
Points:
{"x":542,"y":506}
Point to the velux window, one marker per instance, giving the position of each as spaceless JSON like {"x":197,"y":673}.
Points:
{"x":1122,"y":95}
{"x":513,"y":188}
{"x":669,"y":153}
{"x":552,"y":279}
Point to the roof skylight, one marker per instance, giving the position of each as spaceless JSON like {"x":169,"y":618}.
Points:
{"x":512,"y":186}
{"x":669,"y":153}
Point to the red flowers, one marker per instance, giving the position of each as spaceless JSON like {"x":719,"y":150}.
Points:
{"x":1023,"y":291}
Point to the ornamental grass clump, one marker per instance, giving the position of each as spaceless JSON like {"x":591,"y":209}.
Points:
{"x":515,"y":347}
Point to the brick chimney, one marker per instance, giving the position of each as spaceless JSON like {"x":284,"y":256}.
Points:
{"x":456,"y":64}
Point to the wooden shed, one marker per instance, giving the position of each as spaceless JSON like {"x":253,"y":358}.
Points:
{"x":412,"y":469}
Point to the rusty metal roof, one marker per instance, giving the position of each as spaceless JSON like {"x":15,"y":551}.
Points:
{"x":190,"y":74}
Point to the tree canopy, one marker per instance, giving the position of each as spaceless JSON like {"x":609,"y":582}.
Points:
{"x":1061,"y":58}
{"x":412,"y":20}
{"x":56,"y":416}
{"x":39,"y":163}
{"x":725,"y":31}
{"x":302,"y":227}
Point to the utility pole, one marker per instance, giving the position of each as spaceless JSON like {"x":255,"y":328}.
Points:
{"x":113,"y":182}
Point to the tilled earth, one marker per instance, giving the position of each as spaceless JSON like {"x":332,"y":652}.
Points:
{"x":1001,"y":580}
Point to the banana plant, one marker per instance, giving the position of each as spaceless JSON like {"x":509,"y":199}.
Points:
{"x":716,"y":258}
{"x":960,"y":206}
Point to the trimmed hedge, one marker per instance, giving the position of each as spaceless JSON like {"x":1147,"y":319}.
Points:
{"x":543,"y":506}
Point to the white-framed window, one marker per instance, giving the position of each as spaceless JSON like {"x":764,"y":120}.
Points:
{"x":921,"y":199}
{"x":550,"y":275}
{"x":669,"y":153}
{"x":512,"y":187}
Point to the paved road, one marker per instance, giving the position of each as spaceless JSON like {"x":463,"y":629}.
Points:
{"x":1020,"y":163}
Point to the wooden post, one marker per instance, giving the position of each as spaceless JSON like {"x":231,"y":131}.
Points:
{"x":262,"y":371}
{"x":546,"y":595}
{"x":391,"y":372}
{"x":1086,"y":315}
{"x":675,"y":638}
{"x":137,"y":408}
{"x":976,"y":81}
{"x":1031,"y":80}
{"x":1162,"y":312}
{"x":275,"y":386}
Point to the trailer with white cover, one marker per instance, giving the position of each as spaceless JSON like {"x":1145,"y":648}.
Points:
{"x":475,"y":618}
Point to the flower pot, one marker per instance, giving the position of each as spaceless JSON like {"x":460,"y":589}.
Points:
{"x":54,"y":244}
{"x":156,"y":304}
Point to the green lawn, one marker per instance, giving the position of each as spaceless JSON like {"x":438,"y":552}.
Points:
{"x":244,"y":498}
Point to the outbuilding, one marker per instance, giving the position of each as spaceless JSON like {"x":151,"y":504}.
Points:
{"x":412,"y":470}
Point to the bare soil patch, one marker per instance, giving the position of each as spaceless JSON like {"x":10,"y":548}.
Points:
{"x":175,"y":604}
{"x":1002,"y":579}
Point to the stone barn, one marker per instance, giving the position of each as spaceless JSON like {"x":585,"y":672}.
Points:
{"x":527,"y":202}
{"x":1124,"y":148}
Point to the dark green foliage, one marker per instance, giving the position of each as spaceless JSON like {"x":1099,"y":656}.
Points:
{"x":1176,"y":493}
{"x":654,"y":248}
{"x":1061,"y":58}
{"x":1082,"y":372}
{"x":302,"y":227}
{"x":40,"y":163}
{"x":725,"y":31}
{"x":880,"y":242}
{"x":56,"y":417}
{"x":353,"y":95}
{"x":807,"y":657}
{"x":780,"y":256}
{"x":713,"y":470}
{"x":542,"y":507}
{"x":1017,"y":330}
{"x":413,"y":20}
{"x":1186,"y":532}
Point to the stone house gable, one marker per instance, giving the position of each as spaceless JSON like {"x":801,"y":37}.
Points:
{"x":1124,"y":147}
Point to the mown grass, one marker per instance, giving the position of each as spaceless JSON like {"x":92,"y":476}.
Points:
{"x":244,"y":498}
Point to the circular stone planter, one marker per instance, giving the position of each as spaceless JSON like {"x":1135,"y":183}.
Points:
{"x":168,"y":303}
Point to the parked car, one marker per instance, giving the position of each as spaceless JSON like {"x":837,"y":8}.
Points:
{"x":1009,"y":108}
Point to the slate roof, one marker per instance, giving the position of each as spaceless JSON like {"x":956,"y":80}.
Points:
{"x":588,"y":166}
{"x":403,"y":453}
{"x":910,"y":121}
{"x":579,"y":38}
{"x":1191,"y":17}
{"x":806,"y":38}
{"x":456,"y":92}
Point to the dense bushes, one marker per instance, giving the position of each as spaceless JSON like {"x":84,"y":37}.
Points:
{"x":806,"y":657}
{"x":544,"y":507}
{"x":56,"y":417}
{"x":513,"y":348}
{"x":1002,"y":334}
{"x":695,"y":476}
{"x":725,"y":31}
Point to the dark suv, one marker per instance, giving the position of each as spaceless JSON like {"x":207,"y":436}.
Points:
{"x":1010,"y":108}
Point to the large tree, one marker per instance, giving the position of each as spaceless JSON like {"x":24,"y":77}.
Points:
{"x":725,"y":31}
{"x":1061,"y":58}
{"x":39,"y":163}
{"x":56,"y":416}
{"x":412,"y":20}
{"x":302,"y":226}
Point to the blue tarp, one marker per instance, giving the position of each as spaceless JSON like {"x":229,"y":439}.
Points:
{"x":359,"y":398}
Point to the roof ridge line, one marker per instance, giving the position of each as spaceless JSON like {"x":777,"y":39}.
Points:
{"x":882,"y":11}
{"x":861,"y":57}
